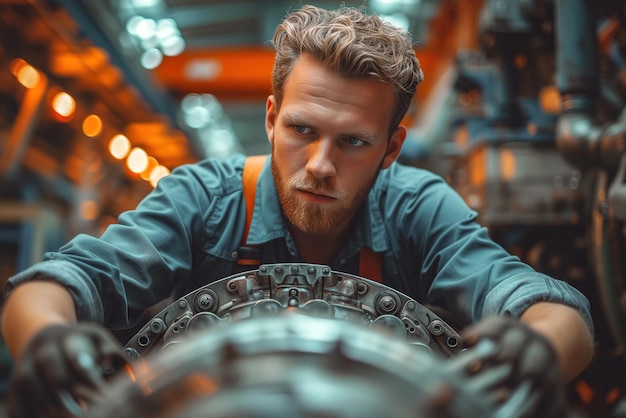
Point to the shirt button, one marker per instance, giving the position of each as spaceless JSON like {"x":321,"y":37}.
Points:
{"x":342,"y":261}
{"x":234,"y":255}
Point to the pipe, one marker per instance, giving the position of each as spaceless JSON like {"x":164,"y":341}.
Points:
{"x":578,"y":138}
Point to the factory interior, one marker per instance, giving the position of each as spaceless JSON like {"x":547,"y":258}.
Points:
{"x":522,"y":110}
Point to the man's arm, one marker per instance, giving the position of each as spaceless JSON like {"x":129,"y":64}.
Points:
{"x":565,"y":328}
{"x":54,"y":355}
{"x":31,"y":307}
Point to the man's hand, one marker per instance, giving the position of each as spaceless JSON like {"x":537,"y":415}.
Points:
{"x":518,"y":363}
{"x":60,"y":368}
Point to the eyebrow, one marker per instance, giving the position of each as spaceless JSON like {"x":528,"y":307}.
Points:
{"x":294,"y":119}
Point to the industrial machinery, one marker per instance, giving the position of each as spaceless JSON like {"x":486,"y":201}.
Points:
{"x":539,"y":153}
{"x":290,"y":340}
{"x":311,"y":288}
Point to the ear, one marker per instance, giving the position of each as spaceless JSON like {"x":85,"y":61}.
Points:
{"x":394,"y":146}
{"x":271,"y":111}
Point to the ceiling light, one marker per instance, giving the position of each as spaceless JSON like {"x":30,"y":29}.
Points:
{"x":137,"y":160}
{"x":146,"y":3}
{"x":157,"y":174}
{"x":152,"y":164}
{"x":92,"y":125}
{"x":145,"y":28}
{"x":157,"y":38}
{"x":151,"y":58}
{"x":25,"y":73}
{"x":398,"y":20}
{"x":173,"y":46}
{"x":63,"y":104}
{"x":392,"y":6}
{"x":119,"y":146}
{"x":166,"y":28}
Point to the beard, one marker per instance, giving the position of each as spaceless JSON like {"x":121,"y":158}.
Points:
{"x":312,"y":218}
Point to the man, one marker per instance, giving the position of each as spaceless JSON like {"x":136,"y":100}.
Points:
{"x":342,"y":83}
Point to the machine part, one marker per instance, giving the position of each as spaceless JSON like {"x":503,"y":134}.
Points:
{"x":607,"y":253}
{"x":312,"y":289}
{"x":387,"y":303}
{"x":520,"y":183}
{"x":580,"y":137}
{"x":301,"y":340}
{"x":293,"y":365}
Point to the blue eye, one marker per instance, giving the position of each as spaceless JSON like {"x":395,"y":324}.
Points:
{"x":356,"y":142}
{"x":301,"y":129}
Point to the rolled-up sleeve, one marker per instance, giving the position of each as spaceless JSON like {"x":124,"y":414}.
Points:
{"x":513,"y":295}
{"x":83,"y":291}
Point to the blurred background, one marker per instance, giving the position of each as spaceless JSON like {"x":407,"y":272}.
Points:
{"x":521,"y":110}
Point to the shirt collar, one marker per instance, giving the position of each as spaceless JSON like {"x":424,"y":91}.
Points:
{"x":267,"y":222}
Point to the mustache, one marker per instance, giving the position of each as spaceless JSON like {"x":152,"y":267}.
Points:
{"x":319,"y":186}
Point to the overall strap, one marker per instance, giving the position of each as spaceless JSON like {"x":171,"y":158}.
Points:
{"x":251,"y":171}
{"x":248,"y":256}
{"x":370,"y":265}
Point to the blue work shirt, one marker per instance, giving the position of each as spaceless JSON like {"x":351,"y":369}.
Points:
{"x":186,"y":233}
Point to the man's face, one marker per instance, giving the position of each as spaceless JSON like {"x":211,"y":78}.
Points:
{"x":329,"y":139}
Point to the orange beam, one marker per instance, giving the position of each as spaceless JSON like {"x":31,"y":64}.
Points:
{"x":226,"y":73}
{"x":234,"y":73}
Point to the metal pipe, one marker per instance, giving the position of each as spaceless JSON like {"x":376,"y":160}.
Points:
{"x":577,"y":80}
{"x":576,"y":52}
{"x":579,"y":139}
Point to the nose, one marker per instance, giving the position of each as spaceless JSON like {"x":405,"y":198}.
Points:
{"x":320,"y":162}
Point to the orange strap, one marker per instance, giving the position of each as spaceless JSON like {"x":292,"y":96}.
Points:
{"x":370,"y":265}
{"x":251,"y":170}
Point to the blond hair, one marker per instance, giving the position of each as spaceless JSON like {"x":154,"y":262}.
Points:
{"x":352,"y":44}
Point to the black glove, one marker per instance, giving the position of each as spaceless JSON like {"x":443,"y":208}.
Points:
{"x":61,"y":369}
{"x":517,"y":366}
